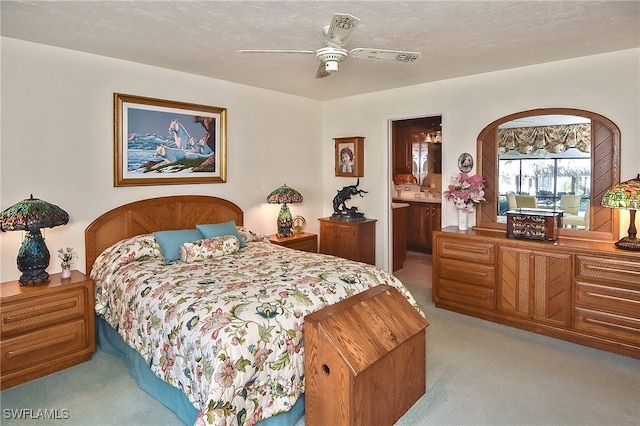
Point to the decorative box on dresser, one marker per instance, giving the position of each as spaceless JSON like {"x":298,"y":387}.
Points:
{"x":45,"y":327}
{"x":354,"y":240}
{"x":585,"y":292}
{"x":304,"y":241}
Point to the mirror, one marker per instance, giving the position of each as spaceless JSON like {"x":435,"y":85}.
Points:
{"x":551,"y":159}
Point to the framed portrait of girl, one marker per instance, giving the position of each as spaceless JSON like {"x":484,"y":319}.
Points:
{"x":349,"y":156}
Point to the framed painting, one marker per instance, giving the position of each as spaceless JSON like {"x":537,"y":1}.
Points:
{"x":349,"y":156}
{"x":160,"y":142}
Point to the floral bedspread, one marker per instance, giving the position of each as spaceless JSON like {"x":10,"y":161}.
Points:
{"x":227,"y":331}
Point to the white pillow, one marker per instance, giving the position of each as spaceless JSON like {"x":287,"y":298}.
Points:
{"x":209,"y":248}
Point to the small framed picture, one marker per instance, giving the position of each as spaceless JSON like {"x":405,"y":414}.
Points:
{"x":465,"y":162}
{"x":349,"y":156}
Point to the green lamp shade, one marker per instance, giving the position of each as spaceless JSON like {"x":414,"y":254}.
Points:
{"x":625,"y":195}
{"x":30,"y":215}
{"x":284,"y":195}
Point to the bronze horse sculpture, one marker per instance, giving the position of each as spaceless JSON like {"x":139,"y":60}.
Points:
{"x":340,"y":210}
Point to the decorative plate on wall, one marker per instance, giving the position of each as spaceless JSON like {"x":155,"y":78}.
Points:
{"x":465,"y":162}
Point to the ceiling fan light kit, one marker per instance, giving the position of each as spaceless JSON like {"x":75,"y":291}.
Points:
{"x":336,"y":36}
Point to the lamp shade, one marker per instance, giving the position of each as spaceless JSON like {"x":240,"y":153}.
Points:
{"x":625,"y":195}
{"x":284,"y":195}
{"x":30,"y":215}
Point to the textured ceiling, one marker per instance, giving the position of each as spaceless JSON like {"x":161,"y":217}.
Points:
{"x":456,"y":38}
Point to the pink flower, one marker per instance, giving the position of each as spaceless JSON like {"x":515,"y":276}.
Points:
{"x":466,"y":192}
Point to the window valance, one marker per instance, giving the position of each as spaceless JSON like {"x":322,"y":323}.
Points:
{"x":553,"y":139}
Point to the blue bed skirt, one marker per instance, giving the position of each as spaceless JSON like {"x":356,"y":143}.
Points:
{"x":171,"y":397}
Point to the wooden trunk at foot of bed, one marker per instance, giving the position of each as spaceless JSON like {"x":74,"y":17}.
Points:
{"x":365,"y":360}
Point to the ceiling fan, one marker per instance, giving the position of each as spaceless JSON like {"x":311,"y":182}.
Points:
{"x":336,"y":36}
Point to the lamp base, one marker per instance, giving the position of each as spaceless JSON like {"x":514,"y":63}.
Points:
{"x":285,"y":222}
{"x":33,"y":259}
{"x":629,"y":243}
{"x":34,"y":277}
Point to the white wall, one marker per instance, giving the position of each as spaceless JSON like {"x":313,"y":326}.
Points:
{"x":608,"y":84}
{"x":57,"y":141}
{"x":57,"y":133}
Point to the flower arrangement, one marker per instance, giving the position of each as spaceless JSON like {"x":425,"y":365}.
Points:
{"x":466,"y":192}
{"x":66,"y":256}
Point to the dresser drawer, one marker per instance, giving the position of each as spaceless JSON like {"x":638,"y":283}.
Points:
{"x":466,"y":250}
{"x":468,"y":294}
{"x":38,"y":347}
{"x":609,"y":298}
{"x":45,"y":310}
{"x":608,"y":325}
{"x":608,"y":270}
{"x":457,"y":270}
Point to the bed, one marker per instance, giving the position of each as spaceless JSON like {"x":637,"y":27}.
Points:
{"x":217,"y":334}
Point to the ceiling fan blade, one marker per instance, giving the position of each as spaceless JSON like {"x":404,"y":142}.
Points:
{"x":340,"y":29}
{"x":303,"y":52}
{"x":385,"y":55}
{"x":322,"y":72}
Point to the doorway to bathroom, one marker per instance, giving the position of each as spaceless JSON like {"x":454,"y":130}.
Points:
{"x":416,"y":190}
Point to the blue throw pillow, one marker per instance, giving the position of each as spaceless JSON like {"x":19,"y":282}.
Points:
{"x":220,"y":230}
{"x":170,"y":241}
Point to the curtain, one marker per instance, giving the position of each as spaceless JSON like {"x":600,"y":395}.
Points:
{"x":553,"y":139}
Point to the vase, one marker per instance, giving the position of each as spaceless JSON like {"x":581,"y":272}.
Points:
{"x":463,"y":219}
{"x":66,"y":273}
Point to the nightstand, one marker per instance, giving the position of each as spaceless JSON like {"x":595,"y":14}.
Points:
{"x":45,"y":328}
{"x":354,"y":240}
{"x":304,"y":241}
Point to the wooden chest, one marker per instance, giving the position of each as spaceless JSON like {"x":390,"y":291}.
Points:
{"x":365,"y":360}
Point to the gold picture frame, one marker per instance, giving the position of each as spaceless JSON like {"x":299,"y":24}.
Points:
{"x":161,"y":142}
{"x":349,"y":156}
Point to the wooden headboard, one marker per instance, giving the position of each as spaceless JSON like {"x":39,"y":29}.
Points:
{"x":155,"y":214}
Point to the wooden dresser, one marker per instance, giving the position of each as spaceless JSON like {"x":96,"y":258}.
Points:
{"x":45,"y":328}
{"x":351,"y":240}
{"x":583,"y":292}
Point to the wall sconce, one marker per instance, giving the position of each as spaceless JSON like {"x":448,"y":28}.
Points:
{"x":625,"y":195}
{"x":31,"y":215}
{"x":284,"y":195}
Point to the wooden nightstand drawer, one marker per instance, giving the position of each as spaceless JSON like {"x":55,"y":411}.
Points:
{"x":43,"y":311}
{"x":303,"y":241}
{"x":51,"y":343}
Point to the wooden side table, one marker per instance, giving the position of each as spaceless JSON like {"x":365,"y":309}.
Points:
{"x":304,"y":241}
{"x":45,"y":328}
